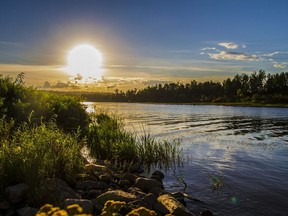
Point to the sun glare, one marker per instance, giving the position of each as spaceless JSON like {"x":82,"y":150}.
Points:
{"x":85,"y":61}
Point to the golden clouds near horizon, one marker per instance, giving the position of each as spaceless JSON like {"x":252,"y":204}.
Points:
{"x":84,"y":62}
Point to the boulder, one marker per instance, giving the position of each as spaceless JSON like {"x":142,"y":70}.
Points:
{"x":130,"y":177}
{"x":85,"y":204}
{"x":55,"y":191}
{"x":173,"y":205}
{"x":27,"y":211}
{"x":4,"y":205}
{"x":147,"y":184}
{"x":16,"y":193}
{"x":124,"y":183}
{"x":159,"y":174}
{"x":116,"y":195}
{"x":87,"y":185}
{"x":206,"y":213}
{"x":106,"y":178}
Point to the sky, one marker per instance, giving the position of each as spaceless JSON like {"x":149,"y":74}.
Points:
{"x":144,"y":42}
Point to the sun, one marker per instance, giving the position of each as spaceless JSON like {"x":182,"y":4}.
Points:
{"x":85,"y":61}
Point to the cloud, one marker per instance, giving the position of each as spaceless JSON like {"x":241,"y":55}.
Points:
{"x":278,"y":65}
{"x":238,"y":56}
{"x":229,"y":45}
{"x":271,"y":54}
{"x":208,"y":48}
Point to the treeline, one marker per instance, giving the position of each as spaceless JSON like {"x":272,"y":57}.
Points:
{"x":259,"y":87}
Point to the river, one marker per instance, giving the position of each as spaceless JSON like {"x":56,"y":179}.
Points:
{"x":236,"y":157}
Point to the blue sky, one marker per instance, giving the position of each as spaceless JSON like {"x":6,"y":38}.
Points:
{"x":145,"y":41}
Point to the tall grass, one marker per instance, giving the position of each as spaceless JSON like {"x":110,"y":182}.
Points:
{"x":108,"y":139}
{"x":32,"y":154}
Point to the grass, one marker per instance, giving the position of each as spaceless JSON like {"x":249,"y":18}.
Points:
{"x":108,"y":139}
{"x":32,"y":154}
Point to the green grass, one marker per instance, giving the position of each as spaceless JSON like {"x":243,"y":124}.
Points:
{"x":108,"y":139}
{"x":32,"y":154}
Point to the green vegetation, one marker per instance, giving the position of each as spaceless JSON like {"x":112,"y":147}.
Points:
{"x":108,"y":139}
{"x":42,"y":134}
{"x":259,"y":88}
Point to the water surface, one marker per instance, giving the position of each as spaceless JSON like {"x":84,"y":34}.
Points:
{"x":243,"y":149}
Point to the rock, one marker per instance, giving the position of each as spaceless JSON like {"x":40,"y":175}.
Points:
{"x":130,"y":177}
{"x":157,"y":191}
{"x":81,"y":193}
{"x":206,"y":213}
{"x":97,"y":207}
{"x":116,"y":195}
{"x":27,"y":211}
{"x":10,"y":212}
{"x":56,"y":191}
{"x":94,"y":193}
{"x":150,"y":200}
{"x":124,"y":183}
{"x":156,"y":177}
{"x":173,"y":205}
{"x":136,"y":191}
{"x":95,"y":167}
{"x":106,"y":178}
{"x":16,"y":193}
{"x":160,"y":209}
{"x":87,"y":185}
{"x":85,"y":204}
{"x":158,"y":173}
{"x":4,"y":205}
{"x":146,"y":184}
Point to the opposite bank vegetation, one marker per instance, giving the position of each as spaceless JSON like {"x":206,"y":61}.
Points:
{"x":42,"y":134}
{"x":258,"y":88}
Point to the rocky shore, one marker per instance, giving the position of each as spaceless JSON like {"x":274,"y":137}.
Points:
{"x":99,"y":184}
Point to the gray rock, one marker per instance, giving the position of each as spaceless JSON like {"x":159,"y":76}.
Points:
{"x":55,"y":191}
{"x":87,"y":185}
{"x":85,"y":204}
{"x":206,"y":213}
{"x":116,"y":195}
{"x":124,"y":183}
{"x":16,"y":193}
{"x":130,"y":177}
{"x":150,"y":200}
{"x":173,"y":205}
{"x":106,"y":178}
{"x":27,"y":211}
{"x":4,"y":205}
{"x":146,"y":184}
{"x":158,"y":173}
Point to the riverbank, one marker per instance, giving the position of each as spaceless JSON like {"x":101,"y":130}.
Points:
{"x":100,"y":183}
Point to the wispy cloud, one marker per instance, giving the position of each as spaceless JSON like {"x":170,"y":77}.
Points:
{"x":229,"y":45}
{"x":279,"y":65}
{"x":238,"y":56}
{"x":209,"y":48}
{"x":271,"y":54}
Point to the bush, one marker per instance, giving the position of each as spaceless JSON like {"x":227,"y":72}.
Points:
{"x":17,"y":102}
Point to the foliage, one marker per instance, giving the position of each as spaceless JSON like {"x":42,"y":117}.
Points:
{"x":258,"y":87}
{"x":71,"y":210}
{"x":34,"y":153}
{"x":108,"y":139}
{"x":17,"y":102}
